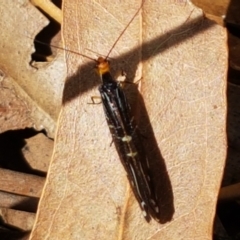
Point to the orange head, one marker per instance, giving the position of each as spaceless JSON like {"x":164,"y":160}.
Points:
{"x":102,"y":66}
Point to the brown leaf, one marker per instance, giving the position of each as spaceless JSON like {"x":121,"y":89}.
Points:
{"x":215,"y":11}
{"x":21,"y":183}
{"x":181,"y":60}
{"x":38,"y":151}
{"x":22,"y":220}
{"x":38,"y":90}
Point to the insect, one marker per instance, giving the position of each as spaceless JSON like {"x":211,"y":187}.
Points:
{"x":126,"y":136}
{"x":127,"y":140}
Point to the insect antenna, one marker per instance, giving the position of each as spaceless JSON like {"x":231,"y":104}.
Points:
{"x":68,"y":50}
{"x":124,"y":30}
{"x":83,"y":55}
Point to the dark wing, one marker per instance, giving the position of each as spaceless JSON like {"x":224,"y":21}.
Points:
{"x":129,"y":146}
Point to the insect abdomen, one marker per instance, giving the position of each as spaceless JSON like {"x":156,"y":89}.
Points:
{"x":129,"y":147}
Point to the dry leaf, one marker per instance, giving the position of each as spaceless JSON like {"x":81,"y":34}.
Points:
{"x":38,"y":151}
{"x":39,"y":89}
{"x":20,"y":219}
{"x":181,"y":60}
{"x":21,"y":183}
{"x":9,"y":200}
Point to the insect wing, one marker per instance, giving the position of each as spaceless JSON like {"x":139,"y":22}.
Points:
{"x":128,"y":144}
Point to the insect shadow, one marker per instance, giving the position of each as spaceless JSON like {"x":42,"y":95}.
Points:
{"x":85,"y":79}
